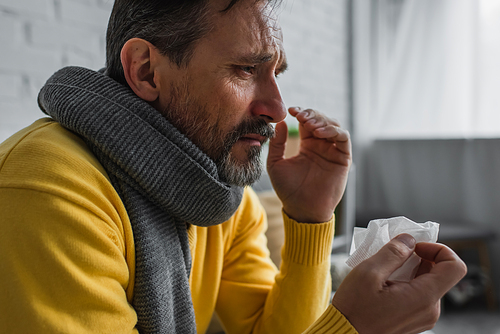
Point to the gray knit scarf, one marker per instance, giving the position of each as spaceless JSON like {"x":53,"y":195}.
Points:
{"x":163,"y":179}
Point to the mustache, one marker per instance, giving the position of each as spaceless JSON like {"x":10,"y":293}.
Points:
{"x":258,"y":126}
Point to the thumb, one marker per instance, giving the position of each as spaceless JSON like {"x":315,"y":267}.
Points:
{"x":277,"y":143}
{"x":392,"y":255}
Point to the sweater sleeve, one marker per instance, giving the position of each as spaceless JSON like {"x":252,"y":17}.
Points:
{"x":331,"y":322}
{"x":63,"y":263}
{"x":256,"y":298}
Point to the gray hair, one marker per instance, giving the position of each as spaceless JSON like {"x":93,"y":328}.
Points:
{"x":172,"y":26}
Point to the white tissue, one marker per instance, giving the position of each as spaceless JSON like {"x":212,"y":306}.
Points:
{"x":367,"y":241}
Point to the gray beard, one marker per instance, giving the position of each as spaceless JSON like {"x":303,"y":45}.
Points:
{"x":191,"y":119}
{"x":234,"y":172}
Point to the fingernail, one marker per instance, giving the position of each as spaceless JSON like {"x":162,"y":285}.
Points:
{"x":407,"y":239}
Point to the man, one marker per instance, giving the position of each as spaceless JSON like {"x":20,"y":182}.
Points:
{"x":125,"y":212}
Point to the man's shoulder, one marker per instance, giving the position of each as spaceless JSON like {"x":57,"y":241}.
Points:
{"x":45,"y":150}
{"x":55,"y":168}
{"x":45,"y":136}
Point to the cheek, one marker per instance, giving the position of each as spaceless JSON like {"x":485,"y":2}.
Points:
{"x":235,"y":100}
{"x":229,"y":103}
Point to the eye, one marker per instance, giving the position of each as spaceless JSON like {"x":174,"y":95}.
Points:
{"x":247,"y":69}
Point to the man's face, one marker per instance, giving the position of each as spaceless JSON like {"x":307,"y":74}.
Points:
{"x":226,"y":97}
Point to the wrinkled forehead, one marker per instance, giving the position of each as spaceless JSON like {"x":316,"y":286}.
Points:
{"x":254,"y":21}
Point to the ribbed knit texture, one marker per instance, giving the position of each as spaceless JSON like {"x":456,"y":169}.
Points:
{"x":331,"y":321}
{"x":307,"y":244}
{"x":164,"y":181}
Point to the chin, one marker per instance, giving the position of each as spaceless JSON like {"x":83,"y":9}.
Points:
{"x":241,"y":172}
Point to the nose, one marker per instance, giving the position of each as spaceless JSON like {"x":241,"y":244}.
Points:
{"x":268,"y":102}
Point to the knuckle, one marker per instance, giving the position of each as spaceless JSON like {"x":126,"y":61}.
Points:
{"x":335,"y":122}
{"x":429,"y":311}
{"x":433,"y":315}
{"x":333,"y":129}
{"x":398,"y":249}
{"x":311,"y":112}
{"x":432,"y":307}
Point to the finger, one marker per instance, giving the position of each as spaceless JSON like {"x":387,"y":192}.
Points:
{"x":339,"y":136}
{"x":435,"y":252}
{"x":318,"y":122}
{"x":332,"y":133}
{"x":424,"y":267}
{"x":294,"y":111}
{"x":448,"y":268}
{"x":305,"y":115}
{"x":277,"y":143}
{"x":391,"y":256}
{"x":322,"y":127}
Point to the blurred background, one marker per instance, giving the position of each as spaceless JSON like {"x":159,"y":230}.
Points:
{"x":416,"y":82}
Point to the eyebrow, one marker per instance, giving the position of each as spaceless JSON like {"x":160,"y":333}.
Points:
{"x":256,"y":58}
{"x":263,"y":58}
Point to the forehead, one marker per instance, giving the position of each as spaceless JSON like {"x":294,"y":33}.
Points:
{"x":250,"y":27}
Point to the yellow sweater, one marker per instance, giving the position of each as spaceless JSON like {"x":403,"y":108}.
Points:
{"x":67,"y":253}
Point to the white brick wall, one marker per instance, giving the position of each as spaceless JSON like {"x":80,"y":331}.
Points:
{"x":316,"y":45}
{"x":40,"y":36}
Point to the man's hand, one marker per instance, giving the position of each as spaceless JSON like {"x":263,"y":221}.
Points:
{"x":311,"y":184}
{"x":374,"y":305}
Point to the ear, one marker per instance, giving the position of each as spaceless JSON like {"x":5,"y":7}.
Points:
{"x":139,"y":58}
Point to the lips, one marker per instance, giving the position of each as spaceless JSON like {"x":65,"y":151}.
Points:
{"x":254,"y":138}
